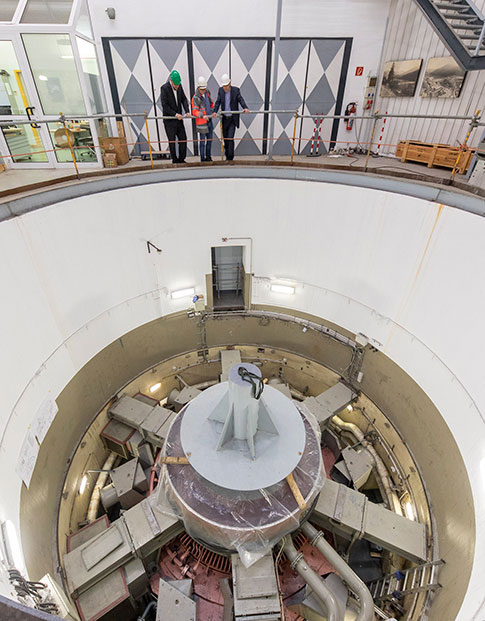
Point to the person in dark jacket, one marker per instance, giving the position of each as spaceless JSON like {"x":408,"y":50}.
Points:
{"x":173,"y":101}
{"x":229,"y":98}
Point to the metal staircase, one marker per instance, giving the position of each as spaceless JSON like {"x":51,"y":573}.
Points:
{"x":406,"y":582}
{"x":461,"y":27}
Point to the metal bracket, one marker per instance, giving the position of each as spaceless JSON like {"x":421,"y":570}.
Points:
{"x":150,"y":245}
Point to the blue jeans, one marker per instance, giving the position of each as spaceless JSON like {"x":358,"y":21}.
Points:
{"x":205,"y":142}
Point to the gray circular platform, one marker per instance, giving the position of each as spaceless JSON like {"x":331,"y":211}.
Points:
{"x":231,"y":467}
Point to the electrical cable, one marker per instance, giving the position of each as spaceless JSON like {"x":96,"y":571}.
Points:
{"x":26,"y":588}
{"x":248,"y":376}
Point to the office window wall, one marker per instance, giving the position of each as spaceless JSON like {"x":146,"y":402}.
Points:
{"x":92,"y":77}
{"x":51,"y":59}
{"x":46,"y":12}
{"x":7,"y":9}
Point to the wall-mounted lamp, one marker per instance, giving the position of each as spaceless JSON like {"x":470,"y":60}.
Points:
{"x":111,"y":12}
{"x":282,"y":289}
{"x":11,"y":548}
{"x":182,"y":293}
{"x":155,"y":387}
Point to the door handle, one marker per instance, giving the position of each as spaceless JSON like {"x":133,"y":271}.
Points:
{"x":30,"y":110}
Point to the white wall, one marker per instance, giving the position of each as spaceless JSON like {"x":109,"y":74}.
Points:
{"x":408,"y":273}
{"x":363,"y":20}
{"x":410,"y":36}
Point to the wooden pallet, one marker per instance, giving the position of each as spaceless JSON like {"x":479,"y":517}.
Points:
{"x":156,"y":155}
{"x":434,"y":154}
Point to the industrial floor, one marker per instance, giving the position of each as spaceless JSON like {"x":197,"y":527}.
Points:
{"x":13,"y":179}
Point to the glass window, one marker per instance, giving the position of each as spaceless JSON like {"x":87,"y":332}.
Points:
{"x":94,"y":86}
{"x":13,"y":95}
{"x":83,"y":25}
{"x":24,"y":143}
{"x":46,"y":12}
{"x":79,"y":135}
{"x":103,"y":127}
{"x":52,"y":62}
{"x":7,"y":9}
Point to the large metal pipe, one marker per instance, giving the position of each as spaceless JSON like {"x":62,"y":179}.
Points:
{"x":392,"y":499}
{"x":314,"y":581}
{"x":100,"y":483}
{"x":317,"y":539}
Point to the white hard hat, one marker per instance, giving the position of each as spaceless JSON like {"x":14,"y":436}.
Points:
{"x":225,"y":80}
{"x":201,"y":82}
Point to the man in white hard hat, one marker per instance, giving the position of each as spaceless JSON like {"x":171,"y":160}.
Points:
{"x":202,"y":107}
{"x":229,"y":99}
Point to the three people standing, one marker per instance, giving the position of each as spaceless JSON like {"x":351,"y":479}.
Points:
{"x":174,"y":102}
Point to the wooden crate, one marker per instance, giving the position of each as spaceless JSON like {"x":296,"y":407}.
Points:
{"x":434,"y":154}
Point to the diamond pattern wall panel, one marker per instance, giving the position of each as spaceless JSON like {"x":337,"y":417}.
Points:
{"x":132,"y":74}
{"x":248,"y":71}
{"x":166,"y":55}
{"x":309,"y":74}
{"x":324,"y":72}
{"x":290,"y":87}
{"x":211,"y":60}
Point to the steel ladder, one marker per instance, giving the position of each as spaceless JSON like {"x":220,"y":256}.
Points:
{"x":406,"y":582}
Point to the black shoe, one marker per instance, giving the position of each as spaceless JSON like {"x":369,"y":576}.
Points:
{"x":208,"y":159}
{"x":181,"y":162}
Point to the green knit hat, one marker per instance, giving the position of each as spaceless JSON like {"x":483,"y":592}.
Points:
{"x":175,"y":77}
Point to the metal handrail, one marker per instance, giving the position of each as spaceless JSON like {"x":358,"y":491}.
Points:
{"x":375,"y":116}
{"x":474,"y":121}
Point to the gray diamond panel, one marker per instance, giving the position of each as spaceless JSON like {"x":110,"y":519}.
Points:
{"x":168,"y":50}
{"x":129,"y":50}
{"x":248,"y":50}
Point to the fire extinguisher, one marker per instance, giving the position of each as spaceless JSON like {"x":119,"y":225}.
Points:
{"x":349,"y":110}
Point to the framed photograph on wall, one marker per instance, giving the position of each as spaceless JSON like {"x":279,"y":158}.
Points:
{"x":400,"y":78}
{"x":443,"y":78}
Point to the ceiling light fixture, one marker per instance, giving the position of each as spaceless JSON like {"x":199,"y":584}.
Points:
{"x":155,"y":387}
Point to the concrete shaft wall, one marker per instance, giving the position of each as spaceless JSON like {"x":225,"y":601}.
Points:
{"x":77,"y":276}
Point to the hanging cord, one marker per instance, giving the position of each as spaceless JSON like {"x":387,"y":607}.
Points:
{"x":255,"y":380}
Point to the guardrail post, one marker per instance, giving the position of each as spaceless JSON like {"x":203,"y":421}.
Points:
{"x":294,"y":136}
{"x":473,"y":124}
{"x":222,"y":137}
{"x":62,"y":119}
{"x":376,"y":118}
{"x":148,"y":138}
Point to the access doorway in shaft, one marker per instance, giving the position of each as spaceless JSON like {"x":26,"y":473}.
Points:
{"x":228,"y":277}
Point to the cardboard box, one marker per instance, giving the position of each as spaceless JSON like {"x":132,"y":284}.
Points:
{"x":2,"y":167}
{"x":109,"y":160}
{"x":116,"y":145}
